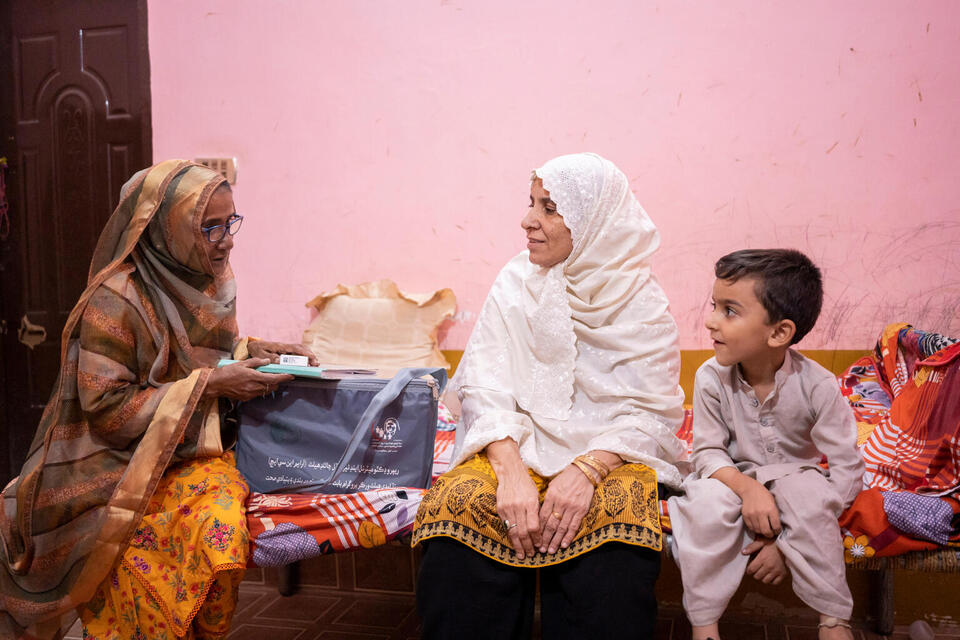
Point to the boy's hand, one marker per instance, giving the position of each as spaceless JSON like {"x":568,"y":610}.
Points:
{"x":767,"y":566}
{"x":759,"y":510}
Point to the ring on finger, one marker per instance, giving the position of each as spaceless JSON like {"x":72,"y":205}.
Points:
{"x":557,"y":515}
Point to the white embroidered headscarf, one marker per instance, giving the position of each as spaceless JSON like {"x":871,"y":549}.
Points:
{"x":595,"y":324}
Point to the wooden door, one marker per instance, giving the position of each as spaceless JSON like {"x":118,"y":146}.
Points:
{"x":75,"y":126}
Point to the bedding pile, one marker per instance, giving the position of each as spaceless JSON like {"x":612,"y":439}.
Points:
{"x":906,"y":396}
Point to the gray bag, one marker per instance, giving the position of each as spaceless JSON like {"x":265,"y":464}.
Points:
{"x":342,"y":436}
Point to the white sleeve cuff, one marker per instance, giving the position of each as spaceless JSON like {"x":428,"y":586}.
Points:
{"x":491,"y":427}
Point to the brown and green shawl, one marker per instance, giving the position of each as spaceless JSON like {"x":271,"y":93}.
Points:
{"x":135,"y":357}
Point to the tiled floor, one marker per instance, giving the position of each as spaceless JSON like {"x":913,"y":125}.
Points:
{"x":319,"y":613}
{"x":368,"y":595}
{"x":324,"y":615}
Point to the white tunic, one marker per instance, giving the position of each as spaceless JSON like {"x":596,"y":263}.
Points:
{"x":628,"y":403}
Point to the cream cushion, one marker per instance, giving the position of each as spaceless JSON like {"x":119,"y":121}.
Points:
{"x":376,"y":325}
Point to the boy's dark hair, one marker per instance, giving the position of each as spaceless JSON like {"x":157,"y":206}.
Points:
{"x":789,"y":285}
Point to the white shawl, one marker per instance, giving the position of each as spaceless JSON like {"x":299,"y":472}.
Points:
{"x":582,"y":355}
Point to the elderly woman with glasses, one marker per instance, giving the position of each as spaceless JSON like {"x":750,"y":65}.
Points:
{"x":127,"y":511}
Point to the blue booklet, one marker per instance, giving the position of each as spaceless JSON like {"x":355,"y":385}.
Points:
{"x":325,"y":373}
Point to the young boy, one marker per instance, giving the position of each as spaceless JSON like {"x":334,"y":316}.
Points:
{"x":763,"y":416}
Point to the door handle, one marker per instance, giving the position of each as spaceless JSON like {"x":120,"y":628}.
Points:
{"x":30,"y":334}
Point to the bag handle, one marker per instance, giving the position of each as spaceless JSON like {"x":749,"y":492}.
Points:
{"x":390,"y":392}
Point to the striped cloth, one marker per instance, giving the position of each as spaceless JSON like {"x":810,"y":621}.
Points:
{"x":914,"y":445}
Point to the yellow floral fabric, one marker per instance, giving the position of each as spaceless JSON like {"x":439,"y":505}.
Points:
{"x":180,"y":574}
{"x":462,"y":504}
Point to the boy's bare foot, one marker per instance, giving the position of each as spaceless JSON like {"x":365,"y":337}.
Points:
{"x":767,"y":565}
{"x":831,"y":628}
{"x":706,"y":632}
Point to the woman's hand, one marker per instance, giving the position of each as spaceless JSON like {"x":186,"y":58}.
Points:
{"x":567,"y":500}
{"x":273,"y":350}
{"x":242,"y":381}
{"x":518,"y":500}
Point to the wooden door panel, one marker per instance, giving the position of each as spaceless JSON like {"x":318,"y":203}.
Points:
{"x":38,"y":229}
{"x":120,"y":166}
{"x":99,"y":49}
{"x":35,"y":58}
{"x":33,"y":226}
{"x":74,"y":202}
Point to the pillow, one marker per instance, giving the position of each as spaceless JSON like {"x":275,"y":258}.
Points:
{"x":376,"y":325}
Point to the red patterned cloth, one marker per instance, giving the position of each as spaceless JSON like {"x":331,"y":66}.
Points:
{"x":907,"y":400}
{"x":914,"y":445}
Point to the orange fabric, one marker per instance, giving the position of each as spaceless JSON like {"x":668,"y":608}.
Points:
{"x":867,"y":532}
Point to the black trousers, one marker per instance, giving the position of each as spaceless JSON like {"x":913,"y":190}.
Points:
{"x":606,"y":593}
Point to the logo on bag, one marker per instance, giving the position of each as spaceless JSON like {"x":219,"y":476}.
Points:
{"x":387,"y":429}
{"x":385,"y":436}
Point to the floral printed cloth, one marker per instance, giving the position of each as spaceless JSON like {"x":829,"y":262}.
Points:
{"x":179,"y":575}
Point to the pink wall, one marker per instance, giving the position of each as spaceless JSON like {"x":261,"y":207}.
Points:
{"x":395,"y":139}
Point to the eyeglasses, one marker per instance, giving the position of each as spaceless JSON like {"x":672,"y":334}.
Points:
{"x":216,"y":233}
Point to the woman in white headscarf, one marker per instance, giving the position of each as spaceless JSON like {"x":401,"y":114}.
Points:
{"x":570,"y":402}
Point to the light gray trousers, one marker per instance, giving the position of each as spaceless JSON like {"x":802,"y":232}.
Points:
{"x":709,"y":534}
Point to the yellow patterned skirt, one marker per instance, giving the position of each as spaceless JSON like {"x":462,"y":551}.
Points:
{"x":180,"y":574}
{"x":462,"y":504}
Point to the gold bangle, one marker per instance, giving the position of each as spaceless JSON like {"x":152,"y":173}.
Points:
{"x":601,"y":474}
{"x":587,"y":471}
{"x":603,"y":467}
